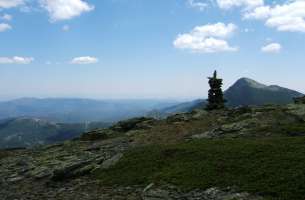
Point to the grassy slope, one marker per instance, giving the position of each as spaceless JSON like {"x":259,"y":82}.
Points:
{"x":272,"y":167}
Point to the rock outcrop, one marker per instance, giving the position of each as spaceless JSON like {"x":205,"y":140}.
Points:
{"x":169,"y":192}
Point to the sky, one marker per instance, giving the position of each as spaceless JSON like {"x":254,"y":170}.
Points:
{"x":155,"y":49}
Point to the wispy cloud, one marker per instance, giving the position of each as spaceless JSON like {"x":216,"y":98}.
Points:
{"x":66,"y":28}
{"x":272,"y":48}
{"x":85,"y":60}
{"x":10,"y":3}
{"x":198,"y":4}
{"x":6,"y":17}
{"x":16,"y":60}
{"x":5,"y":27}
{"x":247,"y":4}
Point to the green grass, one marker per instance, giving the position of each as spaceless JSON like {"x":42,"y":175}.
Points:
{"x":271,"y":167}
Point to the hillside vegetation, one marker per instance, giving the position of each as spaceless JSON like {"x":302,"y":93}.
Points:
{"x":271,"y":167}
{"x":247,"y":153}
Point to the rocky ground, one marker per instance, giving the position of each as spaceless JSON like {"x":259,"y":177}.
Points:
{"x":62,"y":172}
{"x":66,"y":171}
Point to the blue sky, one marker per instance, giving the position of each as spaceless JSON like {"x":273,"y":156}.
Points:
{"x":147,"y":48}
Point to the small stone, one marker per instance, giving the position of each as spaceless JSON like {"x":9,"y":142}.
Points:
{"x":41,"y":173}
{"x":15,"y":179}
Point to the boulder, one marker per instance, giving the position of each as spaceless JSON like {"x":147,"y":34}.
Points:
{"x":99,"y":134}
{"x":169,"y":192}
{"x":41,"y":172}
{"x":15,"y":178}
{"x":183,"y":117}
{"x":199,"y":113}
{"x":132,"y":124}
{"x":112,"y":161}
{"x":69,"y":170}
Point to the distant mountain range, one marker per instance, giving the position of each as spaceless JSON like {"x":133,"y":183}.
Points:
{"x":243,"y":92}
{"x":28,"y":122}
{"x":28,"y":132}
{"x":79,"y":110}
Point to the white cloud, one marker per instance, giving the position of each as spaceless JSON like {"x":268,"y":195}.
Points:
{"x":16,"y":60}
{"x":261,"y":12}
{"x":84,"y":60}
{"x":10,"y":3}
{"x":248,"y":4}
{"x":199,"y":4}
{"x":5,"y":27}
{"x":287,"y":17}
{"x":65,"y":9}
{"x":272,"y":48}
{"x":6,"y":17}
{"x":207,"y":39}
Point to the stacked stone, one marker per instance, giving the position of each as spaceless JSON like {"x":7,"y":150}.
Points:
{"x":216,"y":99}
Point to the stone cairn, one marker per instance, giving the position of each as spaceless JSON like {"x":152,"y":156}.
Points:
{"x":215,"y":99}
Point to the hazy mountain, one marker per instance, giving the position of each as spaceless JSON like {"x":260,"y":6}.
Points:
{"x":179,"y":108}
{"x":35,"y":127}
{"x":249,"y":92}
{"x":79,"y":110}
{"x":28,"y":122}
{"x":27,"y":132}
{"x":243,"y":92}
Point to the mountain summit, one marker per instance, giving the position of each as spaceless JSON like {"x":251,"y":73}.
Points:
{"x":248,"y":82}
{"x":246,"y":91}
